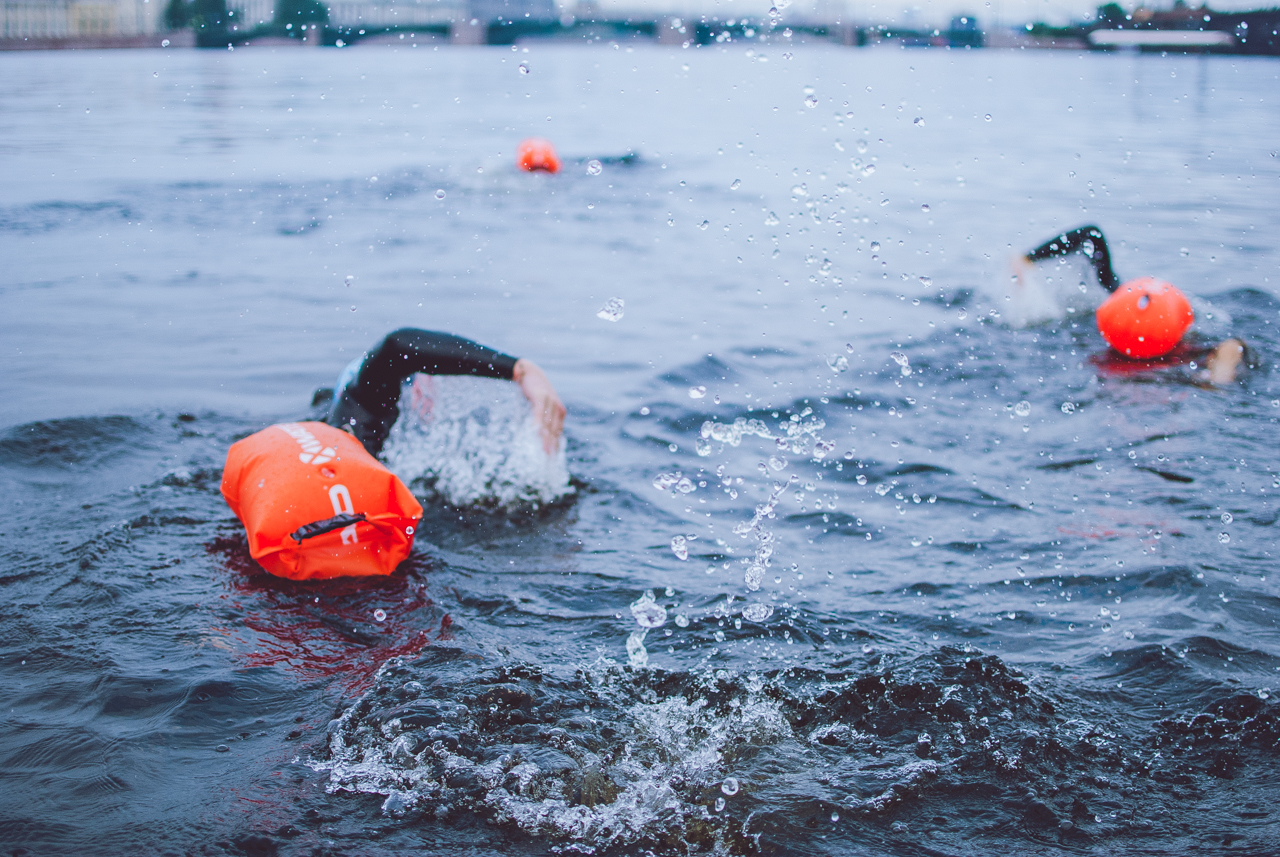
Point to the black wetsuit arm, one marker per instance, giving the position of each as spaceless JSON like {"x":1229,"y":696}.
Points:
{"x":369,"y":405}
{"x":1087,"y":240}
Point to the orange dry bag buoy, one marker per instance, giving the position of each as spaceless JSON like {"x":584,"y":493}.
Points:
{"x":1145,"y":318}
{"x":316,"y":505}
{"x":535,"y":154}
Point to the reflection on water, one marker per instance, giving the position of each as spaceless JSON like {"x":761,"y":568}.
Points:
{"x":864,"y":550}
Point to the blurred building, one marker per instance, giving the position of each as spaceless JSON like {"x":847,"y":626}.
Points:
{"x":392,"y":13}
{"x":512,"y":10}
{"x":69,"y":19}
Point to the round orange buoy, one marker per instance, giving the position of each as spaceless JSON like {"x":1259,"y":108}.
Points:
{"x":316,"y":505}
{"x":1145,"y":318}
{"x":536,"y":154}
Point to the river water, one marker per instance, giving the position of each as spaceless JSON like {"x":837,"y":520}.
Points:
{"x":956,"y":581}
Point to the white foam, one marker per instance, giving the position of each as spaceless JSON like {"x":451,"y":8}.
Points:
{"x":473,"y":442}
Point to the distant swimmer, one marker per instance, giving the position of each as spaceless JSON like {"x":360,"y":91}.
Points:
{"x":1143,"y":319}
{"x":538,"y":155}
{"x":315,"y":501}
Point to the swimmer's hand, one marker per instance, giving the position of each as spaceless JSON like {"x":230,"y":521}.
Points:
{"x":1020,"y":266}
{"x":547,"y":407}
{"x":1223,"y":363}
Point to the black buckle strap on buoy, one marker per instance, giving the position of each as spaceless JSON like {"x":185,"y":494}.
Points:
{"x":328,"y":525}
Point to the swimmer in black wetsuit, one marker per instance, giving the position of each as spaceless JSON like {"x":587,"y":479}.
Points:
{"x":366,"y":403}
{"x":1222,"y":361}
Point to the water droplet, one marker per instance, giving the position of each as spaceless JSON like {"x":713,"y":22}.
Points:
{"x":925,"y":281}
{"x":862,"y":480}
{"x":868,"y":169}
{"x":440,"y":194}
{"x":757,"y":612}
{"x":164,"y":44}
{"x":1023,"y":408}
{"x":987,"y":117}
{"x":835,"y":816}
{"x":884,"y":202}
{"x":612,"y":310}
{"x":1226,"y":518}
{"x":697,"y":392}
{"x":875,"y":246}
{"x":811,"y":101}
{"x":1224,"y":537}
{"x":901,"y":359}
{"x":1185,"y":252}
{"x":594,"y":167}
{"x":408,"y":531}
{"x":704,"y":224}
{"x":155,"y":74}
{"x":919,"y":120}
{"x":720,"y":800}
{"x":771,"y":220}
{"x":1068,"y":408}
{"x":924,"y":207}
{"x":737,"y":183}
{"x":350,"y":279}
{"x":647,"y":612}
{"x":682,"y":620}
{"x":730,"y":786}
{"x":685,"y":485}
{"x":800,"y":190}
{"x":862,"y":147}
{"x":524,"y":68}
{"x":680,"y":547}
{"x":379,"y":615}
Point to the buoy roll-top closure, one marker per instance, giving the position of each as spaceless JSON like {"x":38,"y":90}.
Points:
{"x":536,"y":154}
{"x":1145,"y":318}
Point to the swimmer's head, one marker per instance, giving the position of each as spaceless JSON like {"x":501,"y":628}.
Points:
{"x":1144,"y":318}
{"x":536,"y":154}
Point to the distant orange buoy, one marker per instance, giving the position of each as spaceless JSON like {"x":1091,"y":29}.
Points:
{"x":536,"y":154}
{"x":1145,"y":318}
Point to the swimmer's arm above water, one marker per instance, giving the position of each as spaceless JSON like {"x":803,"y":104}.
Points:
{"x":369,"y":405}
{"x":1087,"y":240}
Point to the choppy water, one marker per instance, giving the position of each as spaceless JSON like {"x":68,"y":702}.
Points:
{"x":953,"y":584}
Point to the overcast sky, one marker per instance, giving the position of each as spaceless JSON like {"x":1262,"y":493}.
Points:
{"x":988,"y":12}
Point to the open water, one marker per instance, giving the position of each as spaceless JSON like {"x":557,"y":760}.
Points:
{"x":862,"y":552}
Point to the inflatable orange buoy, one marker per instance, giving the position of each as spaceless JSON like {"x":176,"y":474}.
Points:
{"x":1144,"y":318}
{"x":535,"y":154}
{"x":316,"y":505}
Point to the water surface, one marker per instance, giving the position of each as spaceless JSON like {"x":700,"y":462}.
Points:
{"x":1011,"y":593}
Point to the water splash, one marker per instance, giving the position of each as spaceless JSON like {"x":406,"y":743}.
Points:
{"x":473,"y":442}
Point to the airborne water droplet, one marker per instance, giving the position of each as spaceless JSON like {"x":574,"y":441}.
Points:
{"x":1023,"y":408}
{"x":379,"y":615}
{"x":729,"y":786}
{"x":697,"y":392}
{"x":737,"y":183}
{"x":524,"y":68}
{"x":919,"y":120}
{"x":594,"y":167}
{"x":612,"y":310}
{"x":440,"y":194}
